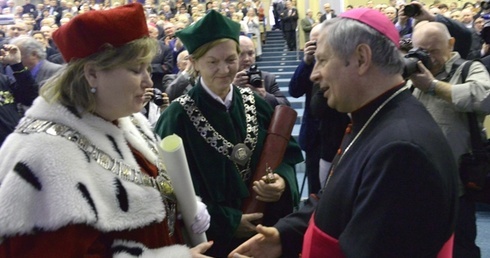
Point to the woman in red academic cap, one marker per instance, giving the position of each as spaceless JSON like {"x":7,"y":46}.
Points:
{"x":80,"y":176}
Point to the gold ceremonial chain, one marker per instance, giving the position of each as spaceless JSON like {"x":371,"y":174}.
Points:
{"x":118,"y":167}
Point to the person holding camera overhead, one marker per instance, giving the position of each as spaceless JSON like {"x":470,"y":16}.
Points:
{"x":81,"y":174}
{"x":223,"y":129}
{"x":412,"y":14}
{"x":261,"y":82}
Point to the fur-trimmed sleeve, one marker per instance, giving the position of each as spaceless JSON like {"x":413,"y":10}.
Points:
{"x":130,"y":249}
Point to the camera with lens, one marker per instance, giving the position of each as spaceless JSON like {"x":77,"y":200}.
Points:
{"x":157,"y":97}
{"x":411,"y":10}
{"x":485,"y":32}
{"x":485,"y":5}
{"x":254,"y":76}
{"x":406,"y":44}
{"x":411,"y":59}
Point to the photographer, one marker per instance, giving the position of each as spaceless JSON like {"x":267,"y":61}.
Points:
{"x":447,"y":98}
{"x":173,"y":43}
{"x":482,"y":28}
{"x":265,"y":84}
{"x":23,"y":91}
{"x":155,"y":103}
{"x":410,"y":15}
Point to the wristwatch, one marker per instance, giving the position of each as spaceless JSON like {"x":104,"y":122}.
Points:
{"x":432,"y":88}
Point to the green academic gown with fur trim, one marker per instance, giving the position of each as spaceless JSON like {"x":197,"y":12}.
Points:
{"x":216,"y":178}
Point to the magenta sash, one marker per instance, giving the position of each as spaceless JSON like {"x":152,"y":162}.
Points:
{"x":318,"y":244}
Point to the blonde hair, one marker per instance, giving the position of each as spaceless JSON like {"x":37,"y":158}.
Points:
{"x":71,"y":88}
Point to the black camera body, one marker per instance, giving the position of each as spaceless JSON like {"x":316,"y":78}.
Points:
{"x":485,"y":5}
{"x":254,"y":76}
{"x":485,"y":32}
{"x":157,"y":97}
{"x":411,"y":59}
{"x":411,"y":10}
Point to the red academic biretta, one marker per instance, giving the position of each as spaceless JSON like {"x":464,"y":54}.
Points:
{"x":86,"y":33}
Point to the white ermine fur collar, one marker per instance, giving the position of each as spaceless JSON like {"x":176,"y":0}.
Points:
{"x":47,"y":182}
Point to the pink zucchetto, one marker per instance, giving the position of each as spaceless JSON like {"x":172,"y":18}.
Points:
{"x":376,"y":20}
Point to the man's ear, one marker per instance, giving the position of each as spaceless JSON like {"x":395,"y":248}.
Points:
{"x":362,"y":57}
{"x":90,"y":73}
{"x":451,"y":43}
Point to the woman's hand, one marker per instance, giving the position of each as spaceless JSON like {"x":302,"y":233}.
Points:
{"x":202,"y":219}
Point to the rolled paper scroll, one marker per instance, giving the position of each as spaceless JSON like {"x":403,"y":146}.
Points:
{"x":173,"y":155}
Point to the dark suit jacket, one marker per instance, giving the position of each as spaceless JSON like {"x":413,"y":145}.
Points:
{"x":179,"y":85}
{"x":486,"y":62}
{"x":300,"y":84}
{"x":289,"y":22}
{"x":476,"y":44}
{"x":324,"y":17}
{"x":24,"y":90}
{"x":321,"y":125}
{"x":57,"y":13}
{"x":274,"y":95}
{"x":161,"y":65}
{"x":457,"y":30}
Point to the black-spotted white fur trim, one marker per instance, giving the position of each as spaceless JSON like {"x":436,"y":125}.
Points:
{"x":129,"y":249}
{"x":47,"y":182}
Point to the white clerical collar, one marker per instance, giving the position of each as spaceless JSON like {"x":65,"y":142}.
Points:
{"x":228,"y":98}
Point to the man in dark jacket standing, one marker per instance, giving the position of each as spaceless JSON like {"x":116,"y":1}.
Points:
{"x":329,"y":13}
{"x":289,"y":22}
